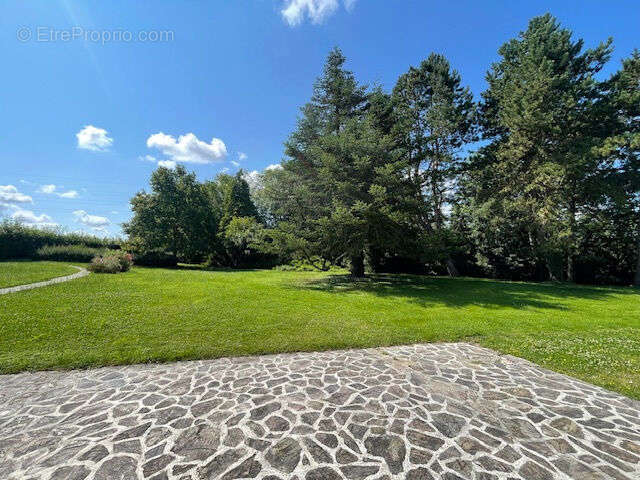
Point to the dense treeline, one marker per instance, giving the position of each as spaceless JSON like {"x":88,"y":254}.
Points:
{"x":538,"y":179}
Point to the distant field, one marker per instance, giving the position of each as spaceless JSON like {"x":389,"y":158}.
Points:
{"x":161,"y":315}
{"x":20,"y":273}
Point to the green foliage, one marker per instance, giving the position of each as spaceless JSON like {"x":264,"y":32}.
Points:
{"x":175,"y":216}
{"x":111,"y":262}
{"x":340,"y":187}
{"x":68,"y":253}
{"x":619,"y":204}
{"x":434,"y":117}
{"x":155,"y":258}
{"x":237,"y":201}
{"x":244,"y":233}
{"x":390,"y":181}
{"x":186,"y":220}
{"x":306,"y":266}
{"x":527,"y":195}
{"x":20,"y":241}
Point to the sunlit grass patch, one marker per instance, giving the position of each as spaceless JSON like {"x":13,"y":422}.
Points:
{"x":148,"y":315}
{"x":23,"y":272}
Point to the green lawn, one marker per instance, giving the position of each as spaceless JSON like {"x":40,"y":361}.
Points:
{"x":20,"y":273}
{"x":161,"y":315}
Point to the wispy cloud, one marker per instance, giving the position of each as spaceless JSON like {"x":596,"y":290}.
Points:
{"x":48,"y":189}
{"x":68,"y":194}
{"x":295,"y":12}
{"x":52,"y":189}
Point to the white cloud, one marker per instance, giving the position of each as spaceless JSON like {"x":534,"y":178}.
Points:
{"x":167,"y":164}
{"x":10,"y":197}
{"x":294,"y":12}
{"x":47,"y":188}
{"x":51,"y":189}
{"x":9,"y":193}
{"x":188,"y":148}
{"x":27,"y":216}
{"x":235,"y":164}
{"x":94,"y":138}
{"x":69,"y":194}
{"x":274,"y":166}
{"x":90,"y":220}
{"x":242,"y":156}
{"x":148,"y":158}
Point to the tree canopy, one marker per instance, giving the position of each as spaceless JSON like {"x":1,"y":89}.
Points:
{"x":537,"y":180}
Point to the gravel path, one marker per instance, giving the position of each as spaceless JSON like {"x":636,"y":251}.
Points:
{"x":436,"y":411}
{"x":82,"y":273}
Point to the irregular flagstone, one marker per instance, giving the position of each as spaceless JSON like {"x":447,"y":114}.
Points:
{"x":437,"y":411}
{"x":117,"y":468}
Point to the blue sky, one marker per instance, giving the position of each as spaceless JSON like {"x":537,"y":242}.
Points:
{"x":90,"y":104}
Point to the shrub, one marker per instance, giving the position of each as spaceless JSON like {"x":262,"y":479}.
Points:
{"x":105,"y":264}
{"x":111,"y":262}
{"x":125,"y":259}
{"x":155,"y":258}
{"x":20,"y":241}
{"x":68,"y":253}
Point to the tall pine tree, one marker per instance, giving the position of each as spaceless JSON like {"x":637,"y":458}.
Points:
{"x":621,"y":151}
{"x":338,"y":188}
{"x":538,"y":112}
{"x":434,"y":118}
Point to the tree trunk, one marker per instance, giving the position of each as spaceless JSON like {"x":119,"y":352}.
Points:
{"x":636,"y":281}
{"x":174,"y":240}
{"x":451,"y":268}
{"x":357,"y":265}
{"x":374,"y":259}
{"x":572,"y":239}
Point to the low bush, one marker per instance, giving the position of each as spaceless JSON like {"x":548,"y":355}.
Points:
{"x":21,"y":241}
{"x":68,"y":253}
{"x":155,"y":258}
{"x":111,"y":262}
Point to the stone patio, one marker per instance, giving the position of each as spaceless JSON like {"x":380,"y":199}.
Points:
{"x":450,"y":411}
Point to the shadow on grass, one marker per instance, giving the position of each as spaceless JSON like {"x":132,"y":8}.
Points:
{"x":463,"y":292}
{"x":204,"y":268}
